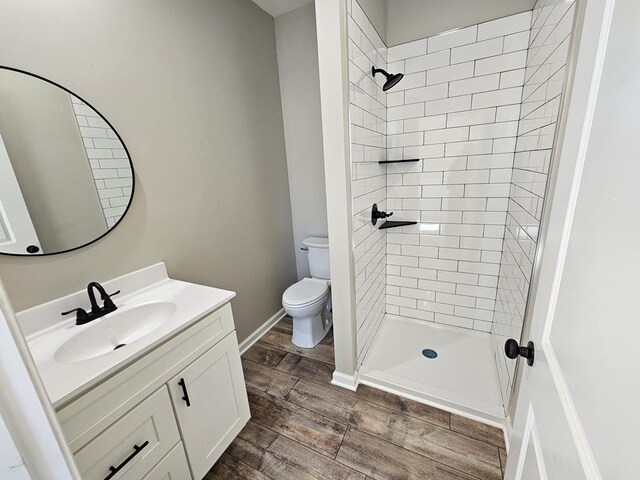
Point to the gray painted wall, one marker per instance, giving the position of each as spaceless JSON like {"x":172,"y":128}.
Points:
{"x":40,"y":131}
{"x":297,"y":48}
{"x":376,"y":10}
{"x":194,"y":94}
{"x":408,"y":20}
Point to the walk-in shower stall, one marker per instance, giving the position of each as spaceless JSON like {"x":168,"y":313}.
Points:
{"x":460,"y":148}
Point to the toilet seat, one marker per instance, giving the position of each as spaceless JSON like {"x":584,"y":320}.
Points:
{"x":305,"y":292}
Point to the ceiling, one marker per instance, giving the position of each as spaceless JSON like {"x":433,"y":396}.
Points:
{"x":278,"y":7}
{"x":407,"y":20}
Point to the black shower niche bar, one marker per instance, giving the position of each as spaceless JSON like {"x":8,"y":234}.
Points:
{"x":378,"y":214}
{"x":384,"y":162}
{"x":395,"y":224}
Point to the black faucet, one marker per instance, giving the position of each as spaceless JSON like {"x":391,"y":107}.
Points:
{"x":82,"y":316}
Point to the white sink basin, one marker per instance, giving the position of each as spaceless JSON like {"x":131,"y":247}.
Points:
{"x":114,"y":331}
{"x":152,"y":309}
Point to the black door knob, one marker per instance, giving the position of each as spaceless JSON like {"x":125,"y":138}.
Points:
{"x":512,"y":350}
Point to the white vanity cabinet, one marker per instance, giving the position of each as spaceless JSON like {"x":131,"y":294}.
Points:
{"x":169,"y":414}
{"x":172,"y":467}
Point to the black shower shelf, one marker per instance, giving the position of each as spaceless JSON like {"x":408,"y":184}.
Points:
{"x":381,"y":162}
{"x":394,"y":224}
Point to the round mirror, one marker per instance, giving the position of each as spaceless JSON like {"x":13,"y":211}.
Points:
{"x":66,"y":179}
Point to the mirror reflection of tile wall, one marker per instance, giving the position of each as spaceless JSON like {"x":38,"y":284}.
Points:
{"x":109,"y":161}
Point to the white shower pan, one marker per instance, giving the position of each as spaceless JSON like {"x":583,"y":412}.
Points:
{"x":462,"y":379}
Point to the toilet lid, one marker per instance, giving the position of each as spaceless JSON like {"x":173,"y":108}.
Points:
{"x":306,"y":291}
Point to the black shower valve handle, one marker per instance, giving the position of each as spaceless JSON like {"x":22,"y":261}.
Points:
{"x":376,"y":214}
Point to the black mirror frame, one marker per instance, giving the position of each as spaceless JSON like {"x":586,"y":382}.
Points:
{"x":133,"y":175}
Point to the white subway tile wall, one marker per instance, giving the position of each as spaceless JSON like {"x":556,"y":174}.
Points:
{"x":108,"y":159}
{"x":456,"y":111}
{"x":551,"y":27}
{"x":368,"y":120}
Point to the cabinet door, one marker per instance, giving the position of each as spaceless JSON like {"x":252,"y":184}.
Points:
{"x":211,"y":405}
{"x":172,"y":467}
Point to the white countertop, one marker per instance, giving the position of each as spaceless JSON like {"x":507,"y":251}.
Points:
{"x":46,"y":331}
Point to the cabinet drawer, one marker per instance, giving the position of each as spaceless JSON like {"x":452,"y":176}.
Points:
{"x":132,"y":445}
{"x":172,"y":467}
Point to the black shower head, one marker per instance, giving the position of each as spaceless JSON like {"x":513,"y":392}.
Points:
{"x":392,"y":78}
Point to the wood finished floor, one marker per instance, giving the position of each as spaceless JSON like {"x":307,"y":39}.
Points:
{"x":302,"y":427}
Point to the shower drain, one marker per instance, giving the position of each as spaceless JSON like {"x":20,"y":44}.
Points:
{"x":431,"y":354}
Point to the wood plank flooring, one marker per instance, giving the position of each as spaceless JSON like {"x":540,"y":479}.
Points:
{"x":302,"y":427}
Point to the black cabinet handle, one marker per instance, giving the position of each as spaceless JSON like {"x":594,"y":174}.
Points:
{"x":185,"y":395}
{"x":136,"y":450}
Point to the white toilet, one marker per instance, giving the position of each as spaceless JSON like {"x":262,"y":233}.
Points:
{"x":308,"y":302}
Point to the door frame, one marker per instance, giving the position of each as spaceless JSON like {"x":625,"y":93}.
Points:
{"x":19,"y":226}
{"x":25,"y":406}
{"x":584,"y":72}
{"x":331,"y":26}
{"x":550,"y":189}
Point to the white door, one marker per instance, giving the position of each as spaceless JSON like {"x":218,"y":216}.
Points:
{"x":210,"y":400}
{"x":17,"y":234}
{"x":12,"y":466}
{"x":577,"y":410}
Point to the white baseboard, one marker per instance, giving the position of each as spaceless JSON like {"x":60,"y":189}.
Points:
{"x":350,"y":382}
{"x":437,"y":402}
{"x":248,"y":342}
{"x":508,"y":428}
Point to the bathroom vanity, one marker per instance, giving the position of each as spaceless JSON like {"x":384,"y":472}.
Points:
{"x":154,"y":390}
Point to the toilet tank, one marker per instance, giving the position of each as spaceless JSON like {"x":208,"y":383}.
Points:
{"x":318,"y":257}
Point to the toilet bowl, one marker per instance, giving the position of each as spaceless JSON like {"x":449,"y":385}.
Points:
{"x":308,"y":301}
